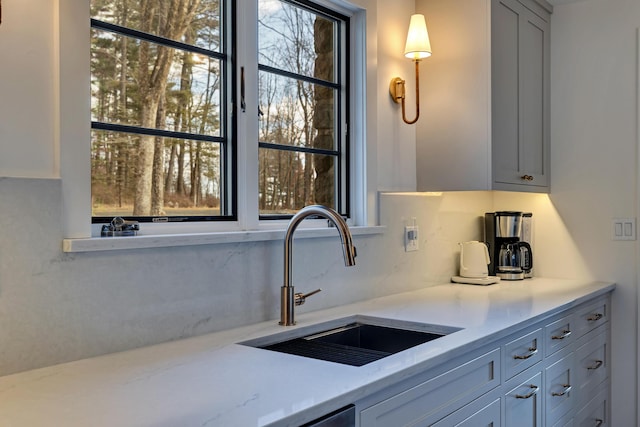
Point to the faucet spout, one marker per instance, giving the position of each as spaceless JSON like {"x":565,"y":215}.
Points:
{"x":288,"y":297}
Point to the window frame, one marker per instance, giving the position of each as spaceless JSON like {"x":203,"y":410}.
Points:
{"x":73,"y":132}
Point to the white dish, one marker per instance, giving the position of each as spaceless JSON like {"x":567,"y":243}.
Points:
{"x":489,"y":280}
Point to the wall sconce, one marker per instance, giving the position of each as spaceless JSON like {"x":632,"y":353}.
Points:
{"x":416,"y":48}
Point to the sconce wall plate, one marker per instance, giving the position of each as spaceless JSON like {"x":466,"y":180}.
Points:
{"x":396,"y":89}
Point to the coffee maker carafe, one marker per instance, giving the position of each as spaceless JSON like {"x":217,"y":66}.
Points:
{"x":510,"y":257}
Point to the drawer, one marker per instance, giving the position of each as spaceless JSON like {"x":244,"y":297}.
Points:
{"x":591,"y":316}
{"x":523,"y":400}
{"x":522,"y":353}
{"x":559,"y":380}
{"x":480,"y":412}
{"x":592,"y":361}
{"x":596,"y":412}
{"x":453,"y":389}
{"x":559,"y":334}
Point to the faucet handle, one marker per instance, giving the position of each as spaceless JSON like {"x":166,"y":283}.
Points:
{"x":300,"y":298}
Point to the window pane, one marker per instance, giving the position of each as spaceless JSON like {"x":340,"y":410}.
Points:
{"x":184,"y":180}
{"x":296,"y":113}
{"x":203,"y":29}
{"x":296,"y":40}
{"x":123,"y":85}
{"x":291,"y":180}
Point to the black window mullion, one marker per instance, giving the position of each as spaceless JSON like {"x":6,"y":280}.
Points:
{"x":130,"y":32}
{"x":296,"y":76}
{"x":298,"y":149}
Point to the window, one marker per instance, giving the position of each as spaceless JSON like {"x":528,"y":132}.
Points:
{"x":161,"y":131}
{"x":164,"y":145}
{"x":303,"y":103}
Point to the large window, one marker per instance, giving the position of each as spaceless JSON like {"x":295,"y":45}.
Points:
{"x":163,"y":142}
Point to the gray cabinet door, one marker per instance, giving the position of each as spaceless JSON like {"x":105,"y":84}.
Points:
{"x":520,"y":97}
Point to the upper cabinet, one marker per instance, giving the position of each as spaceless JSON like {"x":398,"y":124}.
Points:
{"x":486,"y":96}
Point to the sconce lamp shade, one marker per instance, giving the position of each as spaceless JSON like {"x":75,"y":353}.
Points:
{"x":418,"y":45}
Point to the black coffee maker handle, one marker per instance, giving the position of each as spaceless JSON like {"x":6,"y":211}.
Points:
{"x":527,"y":246}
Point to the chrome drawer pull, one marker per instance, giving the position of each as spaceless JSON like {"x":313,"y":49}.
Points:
{"x":595,"y":317}
{"x":596,"y":366}
{"x":528,"y":395}
{"x":567,"y":389}
{"x":599,"y":422}
{"x":564,"y":335}
{"x":532,"y":352}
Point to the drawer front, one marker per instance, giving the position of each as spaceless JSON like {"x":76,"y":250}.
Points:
{"x":559,"y":334}
{"x":592,"y":316}
{"x":481,"y":412}
{"x":595,"y":412}
{"x":593,"y":364}
{"x":522,"y":353}
{"x":559,"y":380}
{"x":523,"y":403}
{"x":453,"y":389}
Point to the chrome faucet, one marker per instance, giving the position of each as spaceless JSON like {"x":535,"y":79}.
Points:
{"x":288,"y":298}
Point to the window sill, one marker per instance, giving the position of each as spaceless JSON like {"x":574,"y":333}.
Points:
{"x":95,"y":244}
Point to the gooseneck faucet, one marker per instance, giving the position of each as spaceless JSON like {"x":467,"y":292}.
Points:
{"x":288,"y":298}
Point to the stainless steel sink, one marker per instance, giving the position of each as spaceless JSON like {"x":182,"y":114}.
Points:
{"x":355,"y":341}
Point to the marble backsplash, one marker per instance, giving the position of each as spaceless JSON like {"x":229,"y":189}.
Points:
{"x":57,"y":307}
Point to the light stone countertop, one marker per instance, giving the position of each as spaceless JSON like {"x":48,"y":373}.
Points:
{"x":212,"y":381}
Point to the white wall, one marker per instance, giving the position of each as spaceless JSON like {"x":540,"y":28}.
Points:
{"x":56,"y":307}
{"x":594,"y":161}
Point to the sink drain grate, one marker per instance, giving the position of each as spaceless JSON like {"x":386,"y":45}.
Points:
{"x":347,"y":355}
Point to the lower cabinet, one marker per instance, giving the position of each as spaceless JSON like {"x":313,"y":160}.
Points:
{"x":426,"y":403}
{"x":481,"y":412}
{"x":523,"y":400}
{"x":554,"y":373}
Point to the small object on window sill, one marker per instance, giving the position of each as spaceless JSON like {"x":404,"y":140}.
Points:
{"x":120,"y":227}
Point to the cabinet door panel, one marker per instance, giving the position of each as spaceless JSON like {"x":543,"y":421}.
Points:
{"x":504,"y":88}
{"x":420,"y":404}
{"x":520,"y":97}
{"x":559,"y":387}
{"x":532,"y":121}
{"x":592,"y":362}
{"x":475,"y":414}
{"x":523,"y":403}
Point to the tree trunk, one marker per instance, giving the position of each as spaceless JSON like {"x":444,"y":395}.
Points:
{"x":152,"y":78}
{"x":323,"y":120}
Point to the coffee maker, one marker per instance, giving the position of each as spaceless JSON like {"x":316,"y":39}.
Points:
{"x":511,"y":256}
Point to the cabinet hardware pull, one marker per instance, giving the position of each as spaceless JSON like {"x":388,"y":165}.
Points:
{"x":596,"y":366}
{"x":599,"y":422}
{"x":564,"y":335}
{"x":532,"y":352}
{"x":527,"y":177}
{"x":595,"y":317}
{"x":528,"y":395}
{"x":567,"y":389}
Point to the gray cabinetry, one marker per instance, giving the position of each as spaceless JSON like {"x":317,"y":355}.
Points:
{"x":520,"y":96}
{"x":552,"y":373}
{"x":486,"y":101}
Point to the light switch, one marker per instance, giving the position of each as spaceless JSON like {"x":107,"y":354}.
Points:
{"x":623,"y":229}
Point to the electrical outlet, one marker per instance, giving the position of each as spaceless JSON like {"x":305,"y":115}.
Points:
{"x":623,"y":229}
{"x":411,"y":238}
